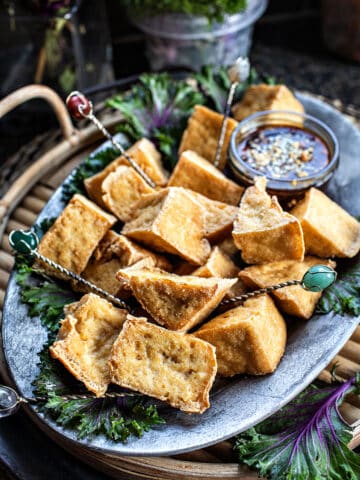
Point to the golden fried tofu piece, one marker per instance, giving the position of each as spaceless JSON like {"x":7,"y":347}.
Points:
{"x":228,"y":246}
{"x":263,"y":231}
{"x":203,"y":132}
{"x":258,"y":98}
{"x":293,"y":300}
{"x":75,"y":234}
{"x":177,"y":302}
{"x":329,"y":231}
{"x":184,"y":268}
{"x":196,"y":173}
{"x":217,"y":265}
{"x":129,"y":252}
{"x":219,"y":217}
{"x":170,"y":221}
{"x":145,"y":155}
{"x":178,"y":369}
{"x":122,"y":189}
{"x":248,"y":339}
{"x":85,"y":340}
{"x":238,"y":289}
{"x":113,"y":253}
{"x":220,"y":265}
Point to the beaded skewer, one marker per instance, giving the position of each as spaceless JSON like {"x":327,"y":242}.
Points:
{"x":316,"y":279}
{"x":237,"y":73}
{"x":80,"y":107}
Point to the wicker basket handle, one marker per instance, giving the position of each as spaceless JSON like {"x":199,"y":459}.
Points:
{"x":30,"y":92}
{"x":72,"y":138}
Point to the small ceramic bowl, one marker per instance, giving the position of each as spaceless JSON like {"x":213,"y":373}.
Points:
{"x":283,"y":187}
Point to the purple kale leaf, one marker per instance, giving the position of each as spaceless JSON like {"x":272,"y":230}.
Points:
{"x":306,"y":440}
{"x":158,"y":107}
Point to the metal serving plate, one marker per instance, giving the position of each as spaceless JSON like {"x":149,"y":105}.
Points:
{"x":238,"y":403}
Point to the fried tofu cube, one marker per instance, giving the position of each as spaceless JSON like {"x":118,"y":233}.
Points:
{"x":293,"y":300}
{"x":75,"y":234}
{"x":238,"y":289}
{"x":177,"y":302}
{"x":329,"y":231}
{"x":258,"y":98}
{"x":85,"y":340}
{"x":178,"y":369}
{"x":219,"y":217}
{"x":228,"y":246}
{"x":144,"y":154}
{"x":113,"y":253}
{"x":196,"y":173}
{"x":122,"y":189}
{"x":217,"y":265}
{"x":184,"y":268}
{"x":203,"y":132}
{"x":129,"y":252}
{"x":263,"y":231}
{"x":220,"y":265}
{"x":248,"y":339}
{"x":170,"y":221}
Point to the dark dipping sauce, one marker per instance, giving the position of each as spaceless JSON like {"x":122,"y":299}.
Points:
{"x":287,"y":153}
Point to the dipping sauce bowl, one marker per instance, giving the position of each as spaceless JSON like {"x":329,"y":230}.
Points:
{"x":294,"y":151}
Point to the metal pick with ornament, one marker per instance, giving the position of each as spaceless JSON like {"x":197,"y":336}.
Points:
{"x":316,"y":279}
{"x":25,"y":242}
{"x":237,"y":73}
{"x":10,"y":400}
{"x":81,"y":107}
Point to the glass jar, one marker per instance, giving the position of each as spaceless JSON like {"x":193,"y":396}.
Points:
{"x":284,"y":188}
{"x":179,"y":40}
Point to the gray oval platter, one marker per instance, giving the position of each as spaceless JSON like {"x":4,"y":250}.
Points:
{"x":240,"y":402}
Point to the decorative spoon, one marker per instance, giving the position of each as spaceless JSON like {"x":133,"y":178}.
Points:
{"x":80,"y":107}
{"x":237,"y":73}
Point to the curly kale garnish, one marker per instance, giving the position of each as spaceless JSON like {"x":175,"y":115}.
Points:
{"x":53,"y":379}
{"x":344,"y":296}
{"x":89,"y":167}
{"x":116,"y":418}
{"x":215,"y":84}
{"x":306,"y":440}
{"x":46,"y":300}
{"x":157,"y":107}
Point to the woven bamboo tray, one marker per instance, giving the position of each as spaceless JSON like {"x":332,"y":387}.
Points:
{"x":19,"y":207}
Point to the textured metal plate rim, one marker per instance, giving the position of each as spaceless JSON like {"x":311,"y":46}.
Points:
{"x":241,"y":403}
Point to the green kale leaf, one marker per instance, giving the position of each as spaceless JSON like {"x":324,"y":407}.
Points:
{"x":215,"y":84}
{"x":344,"y":295}
{"x":46,"y":300}
{"x":116,"y":418}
